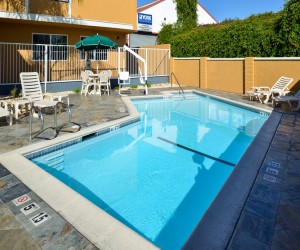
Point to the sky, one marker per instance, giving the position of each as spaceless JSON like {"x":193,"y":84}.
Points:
{"x":230,"y":9}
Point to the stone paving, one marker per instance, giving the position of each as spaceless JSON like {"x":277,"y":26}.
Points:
{"x":18,"y":231}
{"x":86,"y":111}
{"x":270,"y":218}
{"x":271,"y":215}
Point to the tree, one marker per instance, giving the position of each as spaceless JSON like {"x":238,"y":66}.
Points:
{"x":186,"y":13}
{"x":288,"y":30}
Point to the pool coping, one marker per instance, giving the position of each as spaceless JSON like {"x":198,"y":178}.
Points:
{"x":105,"y":232}
{"x":220,"y":219}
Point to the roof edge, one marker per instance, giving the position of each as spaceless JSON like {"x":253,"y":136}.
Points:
{"x":207,"y":12}
{"x":151,"y":4}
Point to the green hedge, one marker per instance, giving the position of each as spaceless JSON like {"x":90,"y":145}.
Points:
{"x":264,"y":35}
{"x":288,"y":30}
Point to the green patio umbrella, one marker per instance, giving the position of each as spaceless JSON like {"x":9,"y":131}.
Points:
{"x":95,"y":42}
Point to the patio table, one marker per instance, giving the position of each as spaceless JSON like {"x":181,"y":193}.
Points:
{"x":16,"y":105}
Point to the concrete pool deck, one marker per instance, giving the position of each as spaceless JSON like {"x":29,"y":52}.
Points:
{"x":267,"y":220}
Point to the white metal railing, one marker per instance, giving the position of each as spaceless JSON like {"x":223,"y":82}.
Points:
{"x":157,"y":61}
{"x":57,"y":63}
{"x":143,"y":76}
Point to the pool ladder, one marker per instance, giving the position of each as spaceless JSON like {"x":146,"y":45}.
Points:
{"x":180,"y":87}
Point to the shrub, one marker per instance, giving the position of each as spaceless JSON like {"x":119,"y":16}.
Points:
{"x":77,"y":91}
{"x":253,"y":36}
{"x":15,"y":93}
{"x":264,"y":35}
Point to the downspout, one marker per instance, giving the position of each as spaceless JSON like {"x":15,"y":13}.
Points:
{"x":70,"y":8}
{"x":26,"y":6}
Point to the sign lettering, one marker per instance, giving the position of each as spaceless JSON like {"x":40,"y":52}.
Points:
{"x":30,"y":208}
{"x":40,"y":218}
{"x":144,"y":22}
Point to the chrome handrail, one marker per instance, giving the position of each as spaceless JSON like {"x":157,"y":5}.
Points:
{"x":181,"y":89}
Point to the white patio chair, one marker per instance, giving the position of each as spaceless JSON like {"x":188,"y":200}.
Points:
{"x":289,"y":99}
{"x":87,"y":83}
{"x":104,"y":81}
{"x":109,"y":75}
{"x":123,"y":80}
{"x":6,"y":113}
{"x":264,"y":93}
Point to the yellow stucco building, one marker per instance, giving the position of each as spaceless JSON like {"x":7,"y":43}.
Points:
{"x":65,"y":22}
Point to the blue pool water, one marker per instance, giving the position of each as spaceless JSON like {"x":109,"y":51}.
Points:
{"x":158,"y":176}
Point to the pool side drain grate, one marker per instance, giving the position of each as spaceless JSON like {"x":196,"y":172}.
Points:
{"x":113,"y":128}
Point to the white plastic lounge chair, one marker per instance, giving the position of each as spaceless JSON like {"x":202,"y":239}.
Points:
{"x":32,"y":91}
{"x":289,"y":99}
{"x":5,"y":113}
{"x":264,"y":93}
{"x":123,"y":80}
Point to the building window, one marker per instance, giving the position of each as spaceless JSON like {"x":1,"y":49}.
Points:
{"x":94,"y":55}
{"x":57,"y":49}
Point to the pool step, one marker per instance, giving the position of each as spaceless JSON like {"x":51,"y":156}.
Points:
{"x":53,"y":156}
{"x":55,"y":161}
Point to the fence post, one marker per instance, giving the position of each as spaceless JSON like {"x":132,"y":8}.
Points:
{"x":172,"y":69}
{"x":46,"y":67}
{"x":146,"y":68}
{"x":203,"y":72}
{"x":119,"y":60}
{"x":1,"y":60}
{"x":248,"y":73}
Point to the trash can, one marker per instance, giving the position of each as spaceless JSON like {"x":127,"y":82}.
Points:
{"x":88,"y":65}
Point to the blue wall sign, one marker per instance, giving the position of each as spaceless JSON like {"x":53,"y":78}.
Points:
{"x":144,"y":22}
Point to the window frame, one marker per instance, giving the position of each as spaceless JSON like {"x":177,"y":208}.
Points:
{"x":64,"y":1}
{"x":50,"y":58}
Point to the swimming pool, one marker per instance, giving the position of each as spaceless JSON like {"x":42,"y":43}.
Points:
{"x":160,"y":165}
